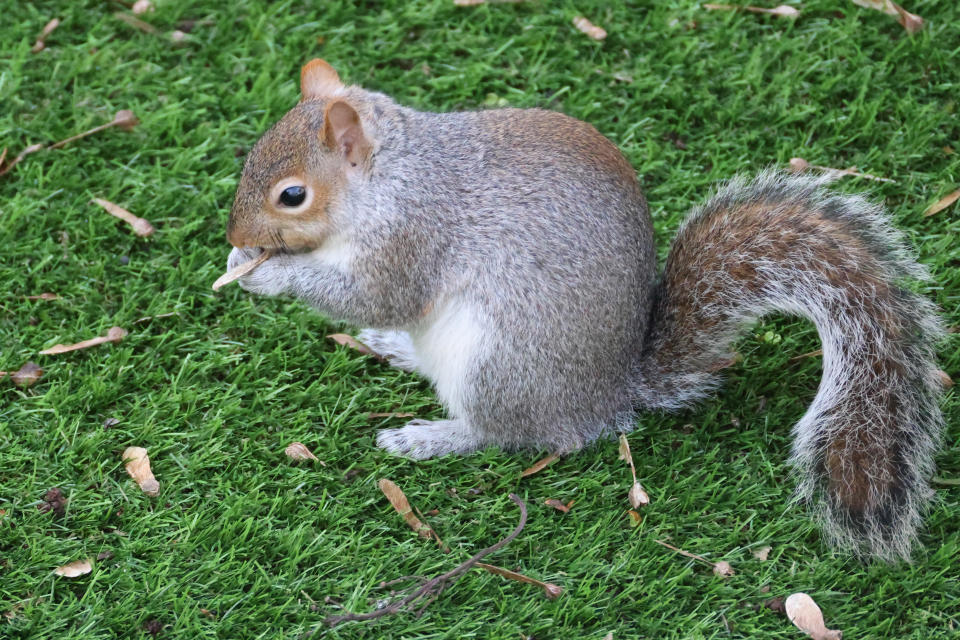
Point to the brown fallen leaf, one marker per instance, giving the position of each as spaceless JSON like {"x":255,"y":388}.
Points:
{"x":349,"y":341}
{"x":43,"y":296}
{"x":552,"y":591}
{"x":373,"y":415}
{"x":124,"y":119}
{"x":804,"y":613}
{"x":20,"y":156}
{"x":140,"y":226}
{"x":115,"y":334}
{"x":539,"y":465}
{"x":783,"y":11}
{"x":137,"y":464}
{"x":241,"y":270}
{"x":635,"y":518}
{"x":25,"y":376}
{"x":556,"y":504}
{"x":39,"y":45}
{"x":942,"y":203}
{"x":909,"y":21}
{"x":762,"y":553}
{"x":587,"y":27}
{"x":74,"y":569}
{"x":799,"y":165}
{"x":299,"y":451}
{"x":399,"y":501}
{"x":721,"y":568}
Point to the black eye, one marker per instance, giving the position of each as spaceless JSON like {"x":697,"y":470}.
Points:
{"x":293,"y":196}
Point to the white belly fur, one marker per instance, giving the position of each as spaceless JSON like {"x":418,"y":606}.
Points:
{"x":447,"y":344}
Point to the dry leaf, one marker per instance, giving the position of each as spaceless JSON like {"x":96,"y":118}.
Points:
{"x":539,"y":465}
{"x":722,"y":569}
{"x":141,"y":6}
{"x":125,"y":119}
{"x":178,"y":37}
{"x":638,"y":497}
{"x":140,"y":226}
{"x":402,"y":505}
{"x":299,"y":451}
{"x":552,"y":591}
{"x":26,"y":375}
{"x":635,"y":518}
{"x":115,"y":334}
{"x":74,"y":569}
{"x":241,"y":270}
{"x":372,"y":415}
{"x":43,"y":296}
{"x":911,"y":22}
{"x":556,"y":504}
{"x":942,"y":203}
{"x":587,"y":27}
{"x":806,"y":615}
{"x":762,"y":553}
{"x":138,"y":466}
{"x":39,"y":45}
{"x":352,"y":343}
{"x":798,"y":165}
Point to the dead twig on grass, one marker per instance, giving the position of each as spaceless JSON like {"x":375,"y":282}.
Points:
{"x":430,"y":589}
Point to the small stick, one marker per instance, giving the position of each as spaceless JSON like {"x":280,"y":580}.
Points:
{"x":115,"y":334}
{"x":432,"y":588}
{"x":141,"y":227}
{"x":241,"y":270}
{"x":799,"y":164}
{"x":137,"y":23}
{"x":808,"y":354}
{"x":721,"y":568}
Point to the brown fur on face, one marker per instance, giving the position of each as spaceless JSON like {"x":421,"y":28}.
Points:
{"x":290,"y":150}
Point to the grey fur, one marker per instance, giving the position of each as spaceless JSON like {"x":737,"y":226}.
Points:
{"x":508,"y":256}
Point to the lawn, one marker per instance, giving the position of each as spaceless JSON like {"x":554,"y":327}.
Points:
{"x":243,"y":543}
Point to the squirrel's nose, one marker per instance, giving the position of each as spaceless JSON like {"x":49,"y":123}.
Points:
{"x":240,"y":237}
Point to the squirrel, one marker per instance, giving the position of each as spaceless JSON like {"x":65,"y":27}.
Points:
{"x":507,"y":255}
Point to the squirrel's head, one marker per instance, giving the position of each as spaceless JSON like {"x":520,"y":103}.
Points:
{"x":298,"y":170}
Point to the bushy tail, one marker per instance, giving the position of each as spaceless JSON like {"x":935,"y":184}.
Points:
{"x":787,"y":244}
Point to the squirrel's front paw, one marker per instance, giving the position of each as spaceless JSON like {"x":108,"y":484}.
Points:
{"x":268,"y":279}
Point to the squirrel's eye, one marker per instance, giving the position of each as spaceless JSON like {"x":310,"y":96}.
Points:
{"x":293,"y":196}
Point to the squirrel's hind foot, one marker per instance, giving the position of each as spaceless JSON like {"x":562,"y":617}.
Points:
{"x":422,"y":439}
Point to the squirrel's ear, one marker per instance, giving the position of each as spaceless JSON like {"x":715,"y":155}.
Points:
{"x":342,"y":130}
{"x":318,"y":80}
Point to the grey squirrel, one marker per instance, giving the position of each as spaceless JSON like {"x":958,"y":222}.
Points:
{"x":508,"y":256}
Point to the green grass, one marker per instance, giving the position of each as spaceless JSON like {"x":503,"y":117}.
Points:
{"x":216,"y":392}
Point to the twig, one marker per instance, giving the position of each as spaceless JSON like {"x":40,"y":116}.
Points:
{"x":539,"y":465}
{"x":432,"y":588}
{"x":125,"y":119}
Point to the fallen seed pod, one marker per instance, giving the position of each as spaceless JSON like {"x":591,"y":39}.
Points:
{"x":138,"y":466}
{"x":299,"y":451}
{"x":804,"y":613}
{"x":74,"y":569}
{"x":241,"y":270}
